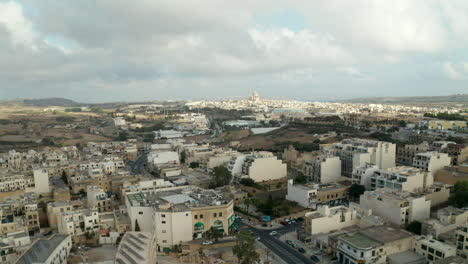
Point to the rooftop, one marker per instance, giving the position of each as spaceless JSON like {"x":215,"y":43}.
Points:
{"x":41,"y":250}
{"x":407,"y":257}
{"x":134,"y":248}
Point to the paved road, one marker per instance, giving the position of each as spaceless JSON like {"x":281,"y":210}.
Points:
{"x":281,"y":249}
{"x":138,"y":166}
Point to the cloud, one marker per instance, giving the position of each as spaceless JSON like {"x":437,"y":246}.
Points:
{"x":151,"y":49}
{"x":451,"y":71}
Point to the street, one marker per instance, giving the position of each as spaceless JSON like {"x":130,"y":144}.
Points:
{"x":138,"y":166}
{"x":281,"y":249}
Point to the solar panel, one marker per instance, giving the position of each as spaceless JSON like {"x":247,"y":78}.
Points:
{"x":134,"y":244}
{"x":128,"y":257}
{"x":142,"y":236}
{"x":133,"y":252}
{"x":120,"y":261}
{"x":137,"y":239}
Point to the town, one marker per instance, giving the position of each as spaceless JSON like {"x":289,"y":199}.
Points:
{"x":251,"y":180}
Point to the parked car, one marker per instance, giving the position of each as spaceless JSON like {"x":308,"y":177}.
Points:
{"x":48,"y":233}
{"x":273,"y":233}
{"x":289,"y":242}
{"x":207,"y":242}
{"x":284,"y":223}
{"x":301,"y":250}
{"x":300,"y":219}
{"x":315,"y":259}
{"x":294,"y":245}
{"x":258,"y":238}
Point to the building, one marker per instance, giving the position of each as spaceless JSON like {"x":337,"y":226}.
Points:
{"x":54,"y":250}
{"x":373,"y":245}
{"x":41,"y":181}
{"x":323,"y":169}
{"x":431,"y":161}
{"x":405,"y":155}
{"x":403,"y":178}
{"x":461,"y":236}
{"x":119,"y":121}
{"x":448,"y":219}
{"x":355,"y":153}
{"x":137,"y":247}
{"x":397,"y":207}
{"x":168,"y":134}
{"x":311,"y":195}
{"x":458,"y":153}
{"x":78,"y":222}
{"x":263,"y":166}
{"x":326,"y":219}
{"x":179,"y":214}
{"x":55,"y":208}
{"x":98,"y":199}
{"x":433,"y":249}
{"x":362,"y":175}
{"x":12,"y":182}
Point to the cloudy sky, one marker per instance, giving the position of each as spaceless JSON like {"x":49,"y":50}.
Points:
{"x":108,"y":50}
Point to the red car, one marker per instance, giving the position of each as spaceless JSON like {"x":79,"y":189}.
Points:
{"x":284,"y":223}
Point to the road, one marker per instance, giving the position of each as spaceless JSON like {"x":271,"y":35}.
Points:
{"x":138,"y":166}
{"x":281,"y":249}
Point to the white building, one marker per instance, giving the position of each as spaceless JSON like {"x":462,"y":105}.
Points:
{"x":323,"y":169}
{"x":168,"y":134}
{"x":137,"y":247}
{"x":461,"y":236}
{"x":41,"y":181}
{"x":119,"y":121}
{"x":54,"y":250}
{"x":397,"y":207}
{"x":263,"y":166}
{"x":78,"y":222}
{"x":165,"y":157}
{"x":12,"y":182}
{"x":362,"y":175}
{"x":326,"y":219}
{"x":431,"y":161}
{"x":403,"y":178}
{"x":355,"y":153}
{"x":433,"y":250}
{"x":374,"y":245}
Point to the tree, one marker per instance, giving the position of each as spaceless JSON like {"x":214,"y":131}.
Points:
{"x":221,"y":176}
{"x":247,"y":182}
{"x":194,"y":165}
{"x":414,"y":227}
{"x":460,"y":198}
{"x":213,"y":234}
{"x":183,"y":156}
{"x":64,"y":177}
{"x":244,"y":249}
{"x":356,"y":190}
{"x":137,"y":226}
{"x":300,"y":178}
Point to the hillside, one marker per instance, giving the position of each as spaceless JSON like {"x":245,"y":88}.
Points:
{"x":55,"y":101}
{"x":456,"y":99}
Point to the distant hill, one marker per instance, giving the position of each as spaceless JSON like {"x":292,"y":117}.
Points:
{"x":51,"y":102}
{"x":456,"y":98}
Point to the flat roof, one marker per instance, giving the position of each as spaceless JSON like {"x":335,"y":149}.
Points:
{"x":406,"y":257}
{"x":359,"y":240}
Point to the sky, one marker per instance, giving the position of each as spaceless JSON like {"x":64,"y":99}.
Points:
{"x":121,"y":50}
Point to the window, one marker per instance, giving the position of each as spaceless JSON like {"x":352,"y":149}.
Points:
{"x":163,"y":222}
{"x":431,"y":250}
{"x":438,"y":253}
{"x":362,"y":254}
{"x":163,"y":231}
{"x":423,"y":247}
{"x":220,"y":214}
{"x":164,"y":241}
{"x":214,"y":215}
{"x":140,"y":213}
{"x":163,"y":215}
{"x":201,"y":216}
{"x":196,"y":216}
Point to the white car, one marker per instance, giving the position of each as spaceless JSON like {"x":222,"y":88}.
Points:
{"x":273,"y":233}
{"x":207,"y":242}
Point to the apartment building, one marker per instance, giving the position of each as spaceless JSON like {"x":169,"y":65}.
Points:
{"x":323,"y":169}
{"x":327,"y":219}
{"x":433,"y":249}
{"x":12,"y":182}
{"x":137,"y":247}
{"x":397,"y":207}
{"x":355,"y":153}
{"x":431,"y":161}
{"x":41,"y":181}
{"x":403,"y":178}
{"x":362,"y":175}
{"x":458,"y":153}
{"x":53,"y":250}
{"x":97,"y":198}
{"x":179,"y":214}
{"x":312,"y":195}
{"x":461,"y":236}
{"x":55,"y":208}
{"x":78,"y":222}
{"x":263,"y":166}
{"x":374,"y":245}
{"x":448,"y":219}
{"x":405,"y":155}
